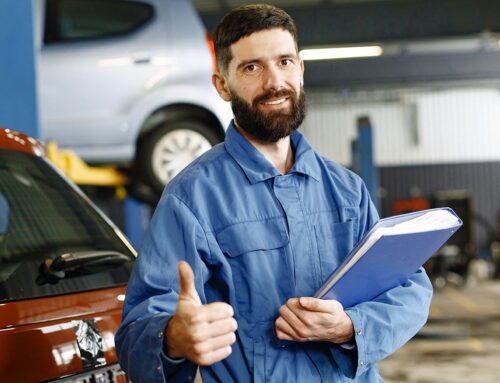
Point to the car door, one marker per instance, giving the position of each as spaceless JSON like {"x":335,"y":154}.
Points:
{"x":96,"y":59}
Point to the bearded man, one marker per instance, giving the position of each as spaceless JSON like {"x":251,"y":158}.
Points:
{"x":244,"y":236}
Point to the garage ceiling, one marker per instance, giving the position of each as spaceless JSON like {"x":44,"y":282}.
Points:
{"x":224,"y":5}
{"x":429,"y":39}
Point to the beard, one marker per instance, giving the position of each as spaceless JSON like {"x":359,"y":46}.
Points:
{"x":272,"y":126}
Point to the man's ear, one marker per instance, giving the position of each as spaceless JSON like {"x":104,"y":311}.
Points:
{"x":220,"y":85}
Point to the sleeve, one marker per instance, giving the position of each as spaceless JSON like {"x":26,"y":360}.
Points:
{"x":383,"y":325}
{"x":175,"y":234}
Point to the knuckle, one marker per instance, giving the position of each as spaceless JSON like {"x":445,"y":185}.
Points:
{"x":193,"y":319}
{"x":199,"y":349}
{"x":303,"y":333}
{"x":229,"y":309}
{"x":232,"y":338}
{"x":204,"y":360}
{"x":308,"y":320}
{"x":196,"y":336}
{"x":234,"y":325}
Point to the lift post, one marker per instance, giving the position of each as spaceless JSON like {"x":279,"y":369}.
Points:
{"x":363,"y":159}
{"x":18,"y":106}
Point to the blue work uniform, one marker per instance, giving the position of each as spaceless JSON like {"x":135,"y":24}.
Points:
{"x":256,"y":238}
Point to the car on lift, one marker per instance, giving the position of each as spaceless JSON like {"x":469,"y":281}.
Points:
{"x":128,"y":82}
{"x":63,"y":273}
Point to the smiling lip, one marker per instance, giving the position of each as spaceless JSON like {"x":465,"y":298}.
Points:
{"x":276,"y":102}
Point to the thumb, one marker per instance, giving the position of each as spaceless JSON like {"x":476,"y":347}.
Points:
{"x":187,"y":290}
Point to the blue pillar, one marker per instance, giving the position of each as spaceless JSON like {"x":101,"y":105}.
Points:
{"x":18,"y":106}
{"x":366,"y":159}
{"x":137,"y":217}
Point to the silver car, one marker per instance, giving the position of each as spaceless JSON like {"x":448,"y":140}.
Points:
{"x":128,"y":83}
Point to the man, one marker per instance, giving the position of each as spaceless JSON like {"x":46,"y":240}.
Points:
{"x":259,"y":222}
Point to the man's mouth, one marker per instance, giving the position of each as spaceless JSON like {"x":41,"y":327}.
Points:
{"x":275,"y":102}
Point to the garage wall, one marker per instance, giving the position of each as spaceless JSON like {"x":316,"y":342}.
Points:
{"x":411,"y":126}
{"x":426,"y":140}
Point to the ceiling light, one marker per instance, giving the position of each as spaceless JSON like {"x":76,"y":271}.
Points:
{"x":340,"y":53}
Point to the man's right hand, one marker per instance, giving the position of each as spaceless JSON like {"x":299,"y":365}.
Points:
{"x":201,"y":333}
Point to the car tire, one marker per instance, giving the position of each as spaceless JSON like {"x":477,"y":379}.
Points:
{"x":170,"y":147}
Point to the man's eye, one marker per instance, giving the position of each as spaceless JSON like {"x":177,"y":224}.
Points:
{"x":251,"y":68}
{"x":286,"y":62}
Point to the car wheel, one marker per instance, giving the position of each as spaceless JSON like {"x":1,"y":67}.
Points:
{"x":170,"y":148}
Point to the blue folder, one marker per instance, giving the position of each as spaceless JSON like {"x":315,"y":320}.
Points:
{"x":390,"y":261}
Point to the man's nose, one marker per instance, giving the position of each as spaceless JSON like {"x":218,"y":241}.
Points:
{"x":273,"y":79}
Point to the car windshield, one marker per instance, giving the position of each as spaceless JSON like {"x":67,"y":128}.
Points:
{"x":42,"y":217}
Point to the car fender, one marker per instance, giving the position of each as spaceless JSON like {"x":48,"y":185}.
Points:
{"x":205,"y":98}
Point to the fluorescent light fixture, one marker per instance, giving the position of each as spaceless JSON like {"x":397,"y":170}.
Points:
{"x":340,"y":53}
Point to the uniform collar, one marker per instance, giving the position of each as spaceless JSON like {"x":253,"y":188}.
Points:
{"x":257,"y":168}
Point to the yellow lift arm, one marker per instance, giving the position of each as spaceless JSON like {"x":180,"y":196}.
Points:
{"x":79,"y":172}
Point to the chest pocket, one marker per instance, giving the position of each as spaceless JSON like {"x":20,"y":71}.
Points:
{"x":258,"y":254}
{"x":335,"y":241}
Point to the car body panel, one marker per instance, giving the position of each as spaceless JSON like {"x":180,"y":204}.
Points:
{"x":154,"y":101}
{"x":38,"y":335}
{"x":95,"y":95}
{"x":10,"y":139}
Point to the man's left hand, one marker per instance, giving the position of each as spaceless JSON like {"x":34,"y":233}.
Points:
{"x":311,"y":319}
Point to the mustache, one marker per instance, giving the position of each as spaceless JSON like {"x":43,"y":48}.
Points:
{"x":273,"y":94}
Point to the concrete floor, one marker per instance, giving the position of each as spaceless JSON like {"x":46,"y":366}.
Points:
{"x":460,"y":343}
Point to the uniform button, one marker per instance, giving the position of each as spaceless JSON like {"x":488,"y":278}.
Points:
{"x":190,"y":378}
{"x":158,"y":369}
{"x":361,"y":363}
{"x":160,"y":334}
{"x":359,"y":332}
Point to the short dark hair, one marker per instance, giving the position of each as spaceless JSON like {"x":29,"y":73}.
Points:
{"x":242,"y":22}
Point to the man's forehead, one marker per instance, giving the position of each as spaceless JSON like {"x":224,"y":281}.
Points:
{"x":268,"y":43}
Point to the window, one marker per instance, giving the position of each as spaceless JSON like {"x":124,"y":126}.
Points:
{"x":75,"y":20}
{"x":42,"y":217}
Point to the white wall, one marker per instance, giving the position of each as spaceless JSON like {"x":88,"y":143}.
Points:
{"x":411,"y":126}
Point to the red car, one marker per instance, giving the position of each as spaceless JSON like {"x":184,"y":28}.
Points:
{"x":63,"y":272}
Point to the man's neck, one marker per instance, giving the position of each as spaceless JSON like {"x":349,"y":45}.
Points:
{"x":279,"y":153}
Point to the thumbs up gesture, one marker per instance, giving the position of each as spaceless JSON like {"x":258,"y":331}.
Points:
{"x":201,"y":333}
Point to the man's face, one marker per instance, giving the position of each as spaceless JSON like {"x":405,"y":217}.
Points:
{"x":264,"y":84}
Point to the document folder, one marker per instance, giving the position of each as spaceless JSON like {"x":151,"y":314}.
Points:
{"x":389,"y":254}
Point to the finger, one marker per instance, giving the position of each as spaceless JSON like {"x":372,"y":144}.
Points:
{"x":214,"y":356}
{"x":283,"y":326}
{"x":187,"y":289}
{"x":221,"y":327}
{"x":283,"y":335}
{"x":215,"y":343}
{"x":294,"y":313}
{"x":215,"y":311}
{"x":321,"y":305}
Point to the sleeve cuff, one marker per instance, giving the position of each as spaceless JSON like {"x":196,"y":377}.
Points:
{"x":348,"y":345}
{"x":350,"y":356}
{"x":169,"y":360}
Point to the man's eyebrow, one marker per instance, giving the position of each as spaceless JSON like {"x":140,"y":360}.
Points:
{"x":259,"y":60}
{"x":246,"y":62}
